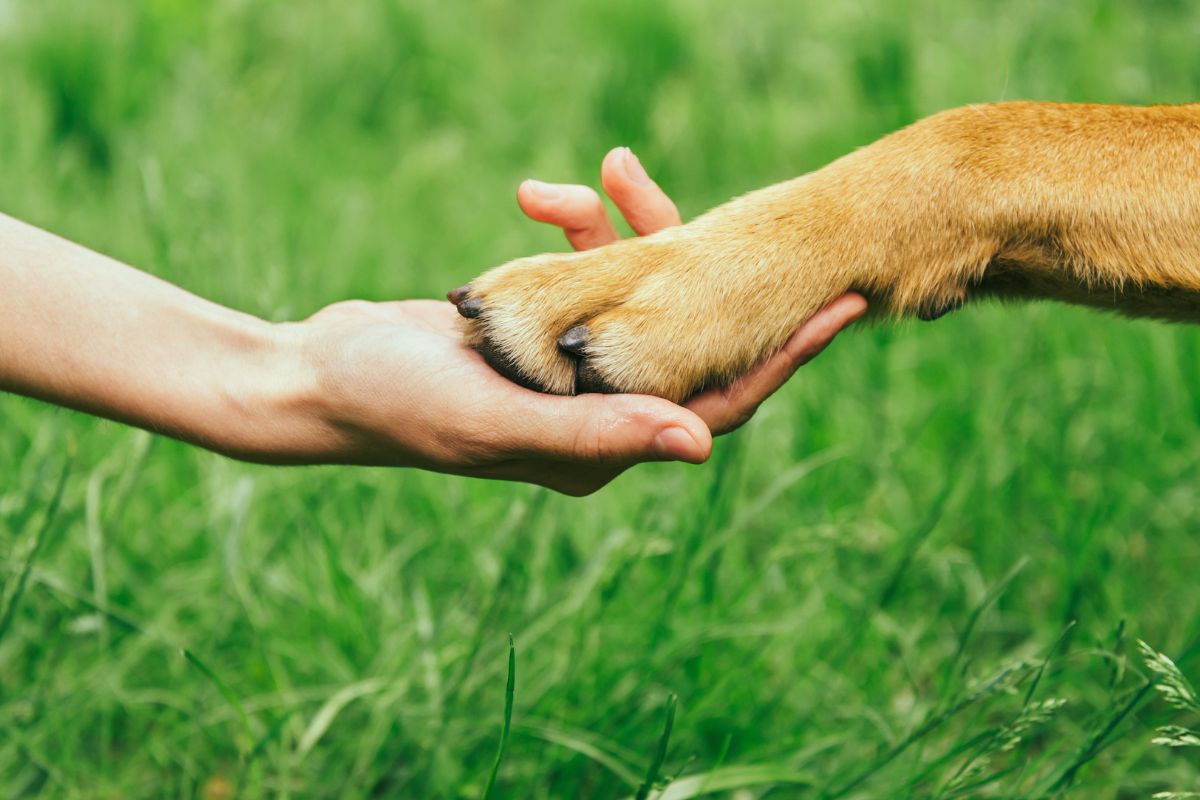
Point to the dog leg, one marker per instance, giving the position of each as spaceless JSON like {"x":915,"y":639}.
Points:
{"x":1097,"y":205}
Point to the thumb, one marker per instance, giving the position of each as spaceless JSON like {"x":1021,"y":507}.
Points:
{"x":619,"y":429}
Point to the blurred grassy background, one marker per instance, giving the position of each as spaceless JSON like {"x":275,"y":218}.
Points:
{"x":832,"y":598}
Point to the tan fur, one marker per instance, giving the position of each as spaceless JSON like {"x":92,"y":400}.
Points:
{"x":1090,"y":204}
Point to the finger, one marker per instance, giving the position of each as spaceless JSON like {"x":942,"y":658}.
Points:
{"x":727,"y":408}
{"x":597,"y":429}
{"x":578,"y":210}
{"x":816,"y":334}
{"x":645,"y":207}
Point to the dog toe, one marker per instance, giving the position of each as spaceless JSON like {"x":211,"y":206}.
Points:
{"x":575,"y":340}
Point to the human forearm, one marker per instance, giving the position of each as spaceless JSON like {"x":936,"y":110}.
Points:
{"x":82,"y":330}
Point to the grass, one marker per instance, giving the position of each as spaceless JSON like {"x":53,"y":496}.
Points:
{"x":836,"y":599}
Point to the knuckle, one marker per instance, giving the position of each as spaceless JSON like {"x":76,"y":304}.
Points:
{"x":586,"y":446}
{"x":590,"y":443}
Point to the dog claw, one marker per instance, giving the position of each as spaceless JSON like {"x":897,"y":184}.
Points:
{"x":456,"y":296}
{"x":471,"y":307}
{"x":574,"y":340}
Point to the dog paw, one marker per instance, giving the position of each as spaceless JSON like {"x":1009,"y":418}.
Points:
{"x":668,"y":314}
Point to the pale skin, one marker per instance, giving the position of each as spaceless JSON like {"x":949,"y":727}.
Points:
{"x":384,"y":384}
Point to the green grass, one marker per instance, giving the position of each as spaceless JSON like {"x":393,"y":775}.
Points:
{"x":881,"y":587}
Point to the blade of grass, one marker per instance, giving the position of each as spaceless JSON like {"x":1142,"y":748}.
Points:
{"x":991,"y":739}
{"x":977,"y":612}
{"x":509,"y":691}
{"x":931,"y":724}
{"x":230,"y":697}
{"x":585,"y":744}
{"x":11,"y":598}
{"x":660,"y":755}
{"x":1099,"y":740}
{"x":330,"y":709}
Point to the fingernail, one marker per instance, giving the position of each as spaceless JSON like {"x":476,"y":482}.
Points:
{"x":676,"y":443}
{"x":635,"y":170}
{"x":545,"y":191}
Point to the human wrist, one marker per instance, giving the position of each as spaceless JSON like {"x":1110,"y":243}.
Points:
{"x":268,"y":401}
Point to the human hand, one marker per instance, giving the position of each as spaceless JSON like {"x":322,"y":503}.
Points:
{"x":392,"y":383}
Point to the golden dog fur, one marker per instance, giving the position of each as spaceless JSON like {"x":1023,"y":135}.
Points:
{"x":1090,"y":204}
